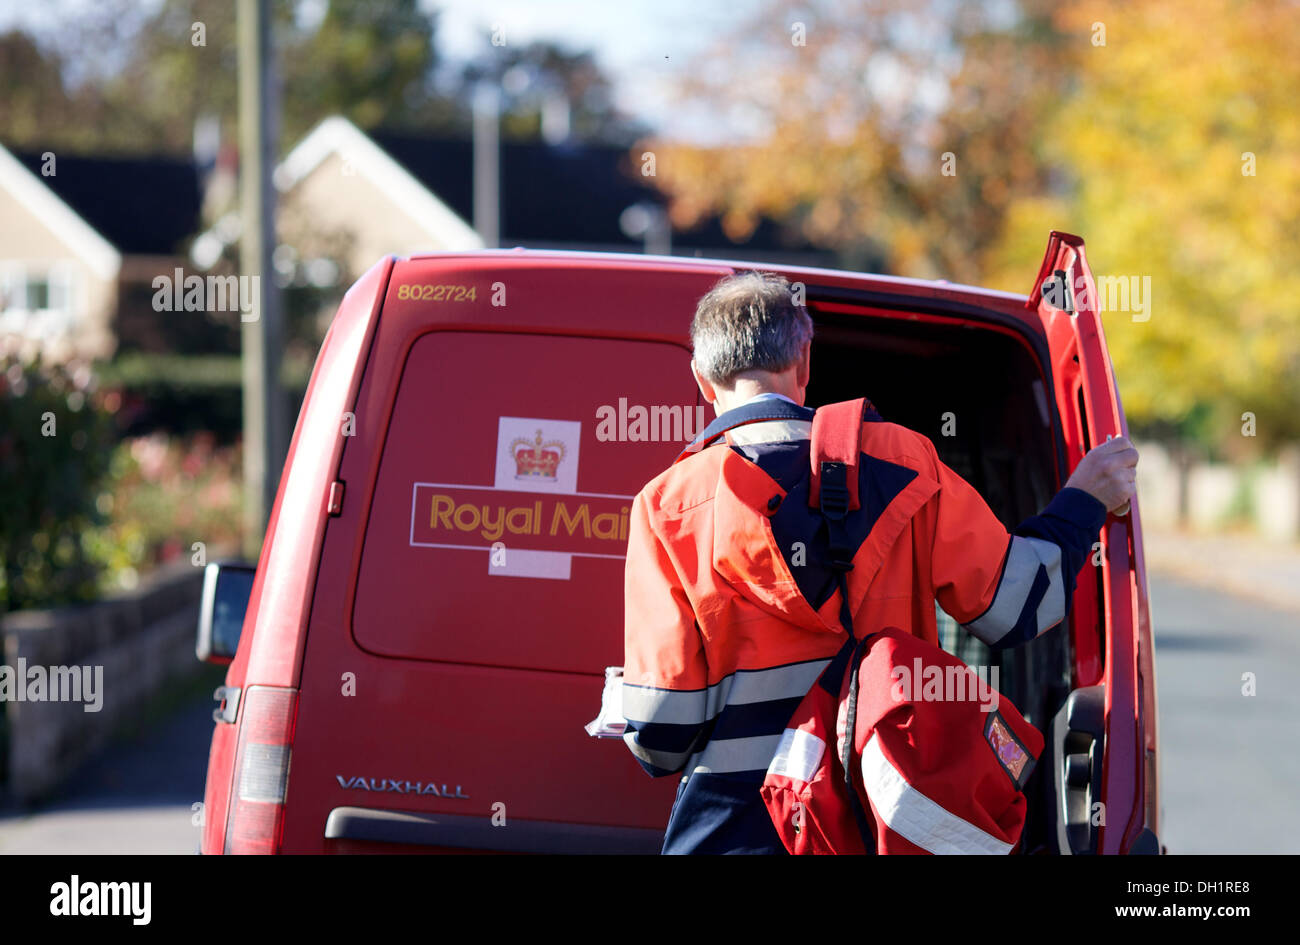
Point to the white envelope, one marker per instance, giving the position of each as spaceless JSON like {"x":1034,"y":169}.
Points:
{"x":610,"y":722}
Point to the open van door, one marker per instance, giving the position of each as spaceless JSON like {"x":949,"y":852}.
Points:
{"x":1104,"y":738}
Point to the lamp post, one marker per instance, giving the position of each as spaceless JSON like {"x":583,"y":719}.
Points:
{"x":265,"y":427}
{"x":487,"y":163}
{"x":648,"y":222}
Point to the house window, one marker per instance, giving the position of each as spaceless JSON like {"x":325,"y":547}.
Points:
{"x":38,"y":293}
{"x":36,"y":301}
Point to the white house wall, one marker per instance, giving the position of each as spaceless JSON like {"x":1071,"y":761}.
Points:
{"x":30,"y":246}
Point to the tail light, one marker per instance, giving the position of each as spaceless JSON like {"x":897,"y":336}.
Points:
{"x":262,"y":756}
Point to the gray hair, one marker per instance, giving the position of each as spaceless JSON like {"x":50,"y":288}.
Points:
{"x":748,"y":321}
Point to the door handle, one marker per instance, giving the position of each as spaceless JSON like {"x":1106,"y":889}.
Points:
{"x":1079,"y":742}
{"x":227,"y":709}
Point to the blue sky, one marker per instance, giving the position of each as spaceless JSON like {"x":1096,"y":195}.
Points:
{"x":641,"y":44}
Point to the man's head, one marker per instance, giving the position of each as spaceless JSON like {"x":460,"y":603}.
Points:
{"x":750,"y":337}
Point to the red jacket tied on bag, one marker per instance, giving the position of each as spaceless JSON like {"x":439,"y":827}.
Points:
{"x":939,"y":759}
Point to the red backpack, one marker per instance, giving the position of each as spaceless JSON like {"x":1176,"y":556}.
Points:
{"x":899,"y":747}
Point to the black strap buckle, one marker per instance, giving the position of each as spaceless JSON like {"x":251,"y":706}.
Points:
{"x":834,"y":490}
{"x":834,"y":500}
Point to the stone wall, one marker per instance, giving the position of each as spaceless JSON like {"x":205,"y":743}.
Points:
{"x":135,"y":642}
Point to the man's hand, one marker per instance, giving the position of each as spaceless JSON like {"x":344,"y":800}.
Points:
{"x":1109,"y":474}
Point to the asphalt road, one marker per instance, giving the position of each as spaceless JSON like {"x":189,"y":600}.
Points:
{"x":1229,"y":762}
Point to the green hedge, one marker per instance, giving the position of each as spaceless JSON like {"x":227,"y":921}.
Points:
{"x":56,"y":439}
{"x":184,"y":394}
{"x":189,"y":372}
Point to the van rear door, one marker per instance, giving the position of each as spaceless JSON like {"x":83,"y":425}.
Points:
{"x":1110,"y":623}
{"x":471,"y":584}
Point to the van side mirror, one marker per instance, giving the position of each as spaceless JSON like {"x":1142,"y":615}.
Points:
{"x":226,"y":588}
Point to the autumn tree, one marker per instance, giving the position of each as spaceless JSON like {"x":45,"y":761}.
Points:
{"x":114,"y":78}
{"x":892,"y":131}
{"x":120,"y":76}
{"x":371,"y":61}
{"x":32,"y":92}
{"x":1178,"y":156}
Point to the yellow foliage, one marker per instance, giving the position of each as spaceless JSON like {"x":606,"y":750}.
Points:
{"x":953,"y":140}
{"x":1157,"y":140}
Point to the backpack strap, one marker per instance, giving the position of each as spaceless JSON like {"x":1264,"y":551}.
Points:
{"x":836,"y":447}
{"x":835,"y":451}
{"x":846,"y":756}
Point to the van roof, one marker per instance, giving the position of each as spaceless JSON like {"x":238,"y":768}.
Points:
{"x":1010,"y":302}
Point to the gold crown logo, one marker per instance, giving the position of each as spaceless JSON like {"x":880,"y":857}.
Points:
{"x":535,"y":459}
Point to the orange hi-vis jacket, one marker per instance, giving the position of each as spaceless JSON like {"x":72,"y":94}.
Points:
{"x":732,"y":606}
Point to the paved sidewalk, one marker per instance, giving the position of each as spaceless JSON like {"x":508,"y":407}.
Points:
{"x":139,"y":796}
{"x":1252,"y":567}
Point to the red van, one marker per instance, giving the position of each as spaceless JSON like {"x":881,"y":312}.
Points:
{"x":426,"y":633}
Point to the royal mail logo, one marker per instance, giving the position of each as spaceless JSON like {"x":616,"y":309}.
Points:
{"x":447,"y":515}
{"x":535,"y":459}
{"x":536,"y":454}
{"x":532,"y":521}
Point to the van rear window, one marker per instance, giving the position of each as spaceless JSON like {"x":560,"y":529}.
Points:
{"x":498,"y":528}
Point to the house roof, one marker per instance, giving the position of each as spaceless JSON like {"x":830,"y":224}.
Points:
{"x":551,"y":195}
{"x":139,"y":205}
{"x":79,"y":236}
{"x":564,"y":194}
{"x":338,"y":136}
